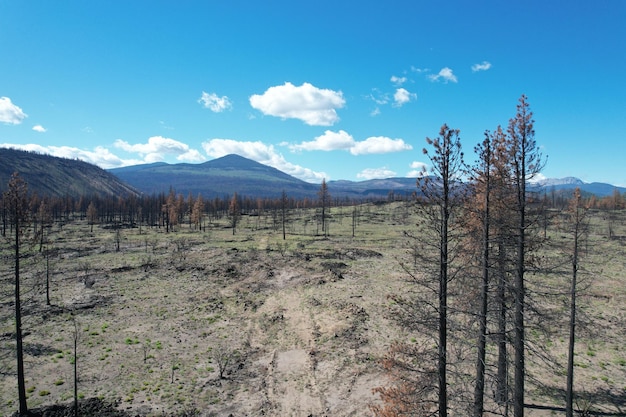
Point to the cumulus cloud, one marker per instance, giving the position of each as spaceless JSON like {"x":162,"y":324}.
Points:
{"x":215,"y":103}
{"x":312,"y":105}
{"x":418,"y":169}
{"x":398,"y":80}
{"x":445,"y":74}
{"x":376,"y":173}
{"x":100,"y":156}
{"x":484,"y":66}
{"x":39,"y":128}
{"x":378,"y":145}
{"x":334,"y":141}
{"x":10,"y":113}
{"x":260,"y":152}
{"x":403,"y":96}
{"x":329,"y":141}
{"x":158,"y":147}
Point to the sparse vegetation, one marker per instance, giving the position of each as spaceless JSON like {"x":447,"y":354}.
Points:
{"x":300,"y":330}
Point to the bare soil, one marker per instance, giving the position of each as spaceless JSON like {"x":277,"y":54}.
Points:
{"x":207,"y":323}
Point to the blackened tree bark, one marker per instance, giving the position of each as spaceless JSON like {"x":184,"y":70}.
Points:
{"x":526,"y":163}
{"x":283,"y":211}
{"x":482,"y":184}
{"x":577,"y":214}
{"x":324,"y":201}
{"x":442,"y":195}
{"x":15,"y":197}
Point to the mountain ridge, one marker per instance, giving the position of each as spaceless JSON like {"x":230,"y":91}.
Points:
{"x":270,"y":182}
{"x":49,"y":175}
{"x":215,"y":178}
{"x":58,"y":177}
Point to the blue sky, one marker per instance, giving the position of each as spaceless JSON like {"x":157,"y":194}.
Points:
{"x":326,"y":89}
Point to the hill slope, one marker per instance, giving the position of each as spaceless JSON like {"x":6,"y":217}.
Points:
{"x":233,"y":173}
{"x":51,"y":176}
{"x":216,"y":178}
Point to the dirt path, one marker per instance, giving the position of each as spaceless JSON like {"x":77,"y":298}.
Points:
{"x":309,"y":359}
{"x":290,"y":383}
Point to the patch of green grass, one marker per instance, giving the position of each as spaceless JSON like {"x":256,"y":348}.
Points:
{"x":44,"y":393}
{"x":130,"y":341}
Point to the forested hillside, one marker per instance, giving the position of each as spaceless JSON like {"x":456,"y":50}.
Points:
{"x":57,"y":177}
{"x":220,"y":177}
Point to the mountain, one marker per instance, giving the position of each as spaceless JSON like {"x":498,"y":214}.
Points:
{"x":233,"y":173}
{"x":559,"y":182}
{"x":372,"y":188}
{"x":49,"y":175}
{"x":52,"y":176}
{"x":568,"y":184}
{"x":216,"y":178}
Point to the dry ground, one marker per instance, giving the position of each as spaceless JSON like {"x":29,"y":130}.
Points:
{"x":295,"y":327}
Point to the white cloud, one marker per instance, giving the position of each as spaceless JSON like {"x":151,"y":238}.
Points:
{"x":260,"y":152}
{"x":39,"y":128}
{"x":418,"y":169}
{"x":419,"y":70}
{"x":376,"y":173}
{"x":484,"y":66}
{"x":100,"y":156}
{"x":215,"y":103}
{"x":418,"y":165}
{"x":375,"y":112}
{"x":192,"y":155}
{"x":402,"y":96}
{"x":333,"y":141}
{"x":10,"y":113}
{"x":312,"y":105}
{"x":398,"y":81}
{"x":329,"y":141}
{"x":158,"y":147}
{"x":378,"y":145}
{"x":445,"y":74}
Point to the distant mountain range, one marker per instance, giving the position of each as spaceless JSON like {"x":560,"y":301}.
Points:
{"x":58,"y":177}
{"x":48,"y":175}
{"x":568,"y":184}
{"x":234,"y":173}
